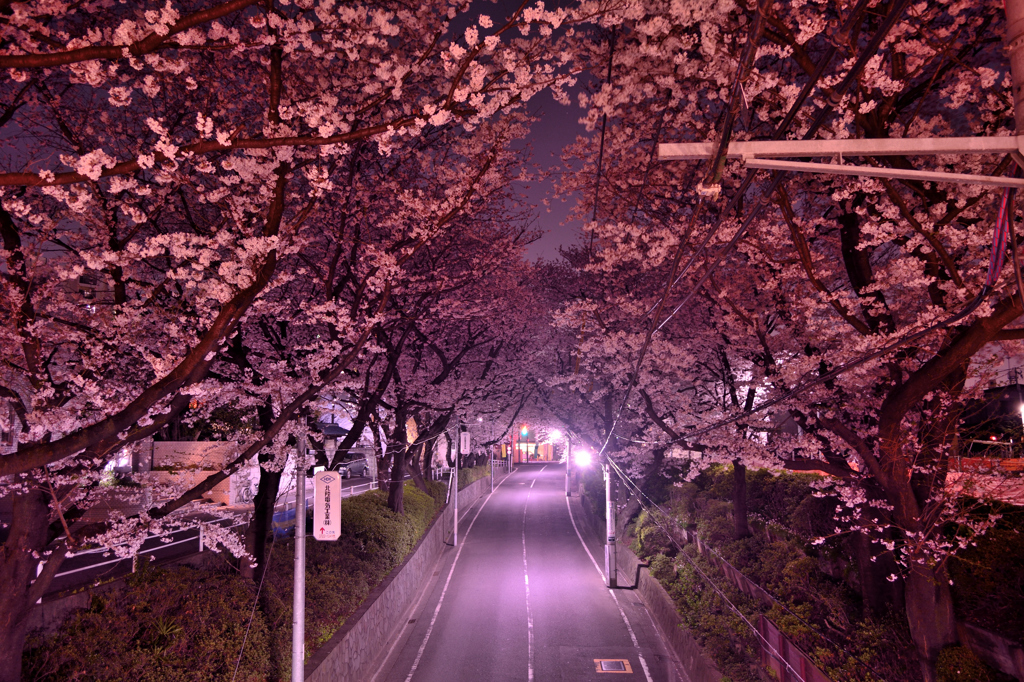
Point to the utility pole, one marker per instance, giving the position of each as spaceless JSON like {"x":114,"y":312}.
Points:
{"x":455,"y":490}
{"x":1015,"y":51}
{"x":299,"y":587}
{"x":568,"y":465}
{"x":609,"y":516}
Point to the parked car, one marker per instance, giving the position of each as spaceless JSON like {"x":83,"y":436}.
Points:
{"x":353,"y":465}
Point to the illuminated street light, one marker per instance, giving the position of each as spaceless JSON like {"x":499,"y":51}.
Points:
{"x":555,"y":435}
{"x":583,"y":458}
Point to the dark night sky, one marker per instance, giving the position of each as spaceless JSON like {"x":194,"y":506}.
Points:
{"x":558,"y":125}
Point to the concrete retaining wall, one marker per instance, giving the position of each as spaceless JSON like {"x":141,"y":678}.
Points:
{"x":663,"y":610}
{"x":631,"y":571}
{"x":356,"y":649}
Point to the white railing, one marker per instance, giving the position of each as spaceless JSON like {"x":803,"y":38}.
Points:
{"x":198,"y":536}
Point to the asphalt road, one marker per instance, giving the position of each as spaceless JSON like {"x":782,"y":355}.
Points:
{"x":521,"y":599}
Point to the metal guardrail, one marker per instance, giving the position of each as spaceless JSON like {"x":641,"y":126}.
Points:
{"x":151,"y":550}
{"x":183,"y":536}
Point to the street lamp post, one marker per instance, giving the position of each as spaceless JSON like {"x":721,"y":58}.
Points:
{"x":568,"y":466}
{"x":609,"y":515}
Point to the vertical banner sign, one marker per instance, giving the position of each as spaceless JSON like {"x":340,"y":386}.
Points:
{"x":464,"y":443}
{"x":327,"y":505}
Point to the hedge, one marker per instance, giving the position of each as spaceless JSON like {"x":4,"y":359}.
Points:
{"x":469,"y":475}
{"x":188,"y":624}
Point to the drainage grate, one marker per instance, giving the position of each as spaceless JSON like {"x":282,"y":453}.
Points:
{"x":613,"y":665}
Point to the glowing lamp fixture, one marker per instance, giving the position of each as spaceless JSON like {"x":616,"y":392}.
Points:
{"x":583,"y":458}
{"x":556,"y":434}
{"x":524,"y":431}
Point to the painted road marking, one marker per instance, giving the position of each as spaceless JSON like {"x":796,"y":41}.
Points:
{"x":529,"y":613}
{"x":629,"y":628}
{"x":447,"y":582}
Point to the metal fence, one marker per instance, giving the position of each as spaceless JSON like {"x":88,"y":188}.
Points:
{"x":784,"y":658}
{"x":789,"y":663}
{"x":93,"y":560}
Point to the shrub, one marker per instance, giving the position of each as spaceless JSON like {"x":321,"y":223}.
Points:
{"x":188,"y":624}
{"x":471,"y":474}
{"x":339,"y":575}
{"x":165,"y":625}
{"x":959,"y":664}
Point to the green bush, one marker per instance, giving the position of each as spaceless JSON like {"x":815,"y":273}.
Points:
{"x":785,"y":565}
{"x":960,"y":664}
{"x":164,"y":626}
{"x":188,"y":624}
{"x":472,"y":474}
{"x":339,"y":575}
{"x":988,"y":578}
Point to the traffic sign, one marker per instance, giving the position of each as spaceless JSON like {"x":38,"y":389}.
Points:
{"x":327,"y":505}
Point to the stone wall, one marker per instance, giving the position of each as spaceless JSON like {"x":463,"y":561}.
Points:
{"x":996,"y":650}
{"x":354,"y":652}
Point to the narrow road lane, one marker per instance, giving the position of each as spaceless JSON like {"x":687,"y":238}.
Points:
{"x":521,"y":599}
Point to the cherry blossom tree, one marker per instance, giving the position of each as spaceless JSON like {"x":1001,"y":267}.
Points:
{"x":192,"y":162}
{"x":829,"y":272}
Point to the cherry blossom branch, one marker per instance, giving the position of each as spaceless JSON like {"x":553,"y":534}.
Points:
{"x":137,"y":49}
{"x":806,"y":260}
{"x":189,"y":370}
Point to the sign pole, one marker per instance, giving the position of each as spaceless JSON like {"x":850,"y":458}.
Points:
{"x":455,"y":493}
{"x":299,"y":587}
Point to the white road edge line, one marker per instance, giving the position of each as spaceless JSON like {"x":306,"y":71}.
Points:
{"x":529,"y":614}
{"x":629,"y":628}
{"x":455,"y":561}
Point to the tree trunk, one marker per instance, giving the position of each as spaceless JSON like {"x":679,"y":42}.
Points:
{"x":397,"y":488}
{"x":930,"y":615}
{"x":28,"y":535}
{"x":261,"y":525}
{"x":739,"y":500}
{"x":417,"y":469}
{"x":878,"y":594}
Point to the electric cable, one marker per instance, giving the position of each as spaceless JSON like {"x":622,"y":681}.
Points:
{"x":255,"y":602}
{"x":779,"y":176}
{"x":641,"y":496}
{"x":1001,"y":231}
{"x":746,"y":61}
{"x":780,"y":130}
{"x":714,"y":586}
{"x":821,"y":115}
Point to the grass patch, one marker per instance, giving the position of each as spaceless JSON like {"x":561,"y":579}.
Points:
{"x":188,"y":624}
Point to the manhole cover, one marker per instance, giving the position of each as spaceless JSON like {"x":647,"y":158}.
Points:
{"x":613,"y":665}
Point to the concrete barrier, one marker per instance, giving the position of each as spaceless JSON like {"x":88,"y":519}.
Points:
{"x":356,"y":650}
{"x":633,"y":572}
